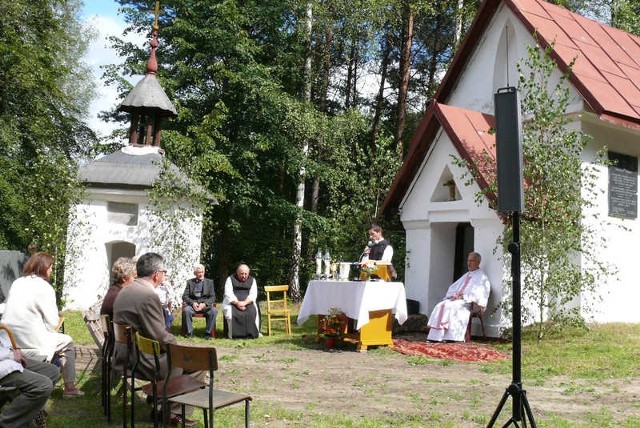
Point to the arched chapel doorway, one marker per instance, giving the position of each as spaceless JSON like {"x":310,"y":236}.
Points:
{"x":118,"y":249}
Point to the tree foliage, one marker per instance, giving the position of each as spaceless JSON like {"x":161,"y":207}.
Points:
{"x":235,"y":71}
{"x":44,"y":94}
{"x":559,"y":251}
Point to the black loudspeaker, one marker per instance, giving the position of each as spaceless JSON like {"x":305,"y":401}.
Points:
{"x":509,"y":150}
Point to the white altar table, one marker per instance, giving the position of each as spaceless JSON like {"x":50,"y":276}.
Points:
{"x":369,"y":302}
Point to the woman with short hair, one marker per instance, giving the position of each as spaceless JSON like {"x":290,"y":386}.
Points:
{"x":32,"y":315}
{"x":123,"y":272}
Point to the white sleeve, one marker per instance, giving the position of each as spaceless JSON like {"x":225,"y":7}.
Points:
{"x":229,"y":295}
{"x":453,"y":288}
{"x":5,"y":349}
{"x":253,"y":292}
{"x":171,"y":295}
{"x":387,"y":255}
{"x":46,"y":303}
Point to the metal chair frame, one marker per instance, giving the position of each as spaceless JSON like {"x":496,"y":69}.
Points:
{"x":106,"y":370}
{"x":151,"y":347}
{"x":123,"y":333}
{"x":192,"y":358}
{"x":477,"y":311}
{"x":175,"y":385}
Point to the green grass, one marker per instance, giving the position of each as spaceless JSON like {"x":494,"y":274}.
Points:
{"x":603,"y":356}
{"x":602,"y":352}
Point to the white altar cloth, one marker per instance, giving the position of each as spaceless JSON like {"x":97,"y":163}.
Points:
{"x":355,"y":299}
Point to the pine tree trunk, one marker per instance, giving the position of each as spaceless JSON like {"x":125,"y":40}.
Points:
{"x":384,"y":66}
{"x":403,"y":90}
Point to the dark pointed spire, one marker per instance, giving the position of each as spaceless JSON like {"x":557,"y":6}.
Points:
{"x":152,"y":63}
{"x":147,"y":102}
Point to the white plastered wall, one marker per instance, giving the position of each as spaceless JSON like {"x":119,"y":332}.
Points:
{"x":430,"y":225}
{"x":493,"y":65}
{"x":87,"y":267}
{"x":617,"y":298}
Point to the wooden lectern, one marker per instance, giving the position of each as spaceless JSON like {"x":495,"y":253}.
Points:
{"x":383,"y":270}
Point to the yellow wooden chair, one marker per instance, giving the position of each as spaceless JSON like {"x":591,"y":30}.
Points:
{"x":198,"y":358}
{"x":277,"y":308}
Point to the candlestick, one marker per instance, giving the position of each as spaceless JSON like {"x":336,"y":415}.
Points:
{"x":327,"y":263}
{"x":318,"y":264}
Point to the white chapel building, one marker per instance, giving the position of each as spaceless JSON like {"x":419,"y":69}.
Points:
{"x":116,"y":218}
{"x":442,"y":227}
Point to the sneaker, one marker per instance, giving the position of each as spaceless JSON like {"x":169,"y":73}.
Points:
{"x":72,"y":393}
{"x":206,"y":337}
{"x":176,"y":421}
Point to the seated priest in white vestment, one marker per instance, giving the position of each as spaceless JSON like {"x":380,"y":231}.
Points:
{"x":449,"y":319}
{"x":239,"y":305}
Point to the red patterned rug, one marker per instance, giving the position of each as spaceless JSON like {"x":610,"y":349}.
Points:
{"x":467,"y":352}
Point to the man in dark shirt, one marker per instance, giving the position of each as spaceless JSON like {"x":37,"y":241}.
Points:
{"x":378,"y":248}
{"x":199,"y":297}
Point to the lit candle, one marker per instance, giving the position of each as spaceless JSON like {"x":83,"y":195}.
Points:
{"x":318,"y":263}
{"x":327,"y":263}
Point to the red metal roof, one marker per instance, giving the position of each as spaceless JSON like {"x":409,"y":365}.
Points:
{"x":468,"y":130}
{"x":471,"y":134}
{"x":606,"y":73}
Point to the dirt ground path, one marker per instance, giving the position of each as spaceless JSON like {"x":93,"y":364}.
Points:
{"x":381,"y":384}
{"x":384,"y":383}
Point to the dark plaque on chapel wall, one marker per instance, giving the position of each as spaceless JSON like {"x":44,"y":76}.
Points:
{"x":623,"y":186}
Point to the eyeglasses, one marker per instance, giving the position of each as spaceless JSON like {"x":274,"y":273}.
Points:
{"x":162,"y":270}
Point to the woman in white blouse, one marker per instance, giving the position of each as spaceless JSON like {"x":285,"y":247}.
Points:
{"x":32,"y":315}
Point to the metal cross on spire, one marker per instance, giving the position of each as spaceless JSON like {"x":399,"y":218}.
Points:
{"x":152,"y":64}
{"x":156,"y":13}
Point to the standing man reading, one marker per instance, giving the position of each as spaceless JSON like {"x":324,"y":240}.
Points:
{"x":450,"y":317}
{"x":378,"y":248}
{"x":199,"y":297}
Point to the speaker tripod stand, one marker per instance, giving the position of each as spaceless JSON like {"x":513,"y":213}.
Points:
{"x":519,"y":396}
{"x":520,"y":403}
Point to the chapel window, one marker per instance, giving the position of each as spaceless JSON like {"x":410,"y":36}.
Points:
{"x":122,"y":213}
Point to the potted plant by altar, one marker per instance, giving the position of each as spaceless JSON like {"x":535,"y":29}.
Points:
{"x":333,"y":326}
{"x":367,"y":269}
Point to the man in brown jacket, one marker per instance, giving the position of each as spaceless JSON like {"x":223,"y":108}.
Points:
{"x":138,"y":306}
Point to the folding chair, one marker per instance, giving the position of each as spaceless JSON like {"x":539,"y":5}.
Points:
{"x":183,"y":327}
{"x":107,"y":356}
{"x":278,"y":309}
{"x":175,"y":385}
{"x":148,"y":347}
{"x":194,"y":358}
{"x":123,"y":333}
{"x":477,"y":311}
